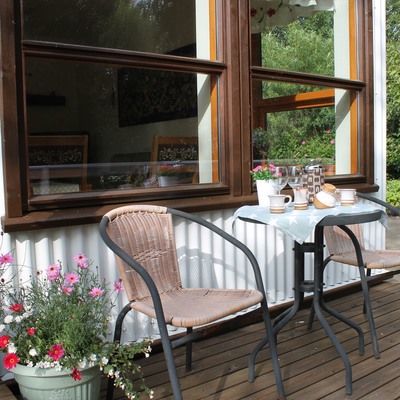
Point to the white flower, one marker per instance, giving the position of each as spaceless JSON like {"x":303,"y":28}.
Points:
{"x":11,"y":348}
{"x":8,"y":319}
{"x":58,"y":367}
{"x":111,"y":372}
{"x":2,"y":327}
{"x":33,"y":352}
{"x":104,"y":360}
{"x":18,"y":319}
{"x":151,"y":395}
{"x":30,"y":364}
{"x":93,"y":357}
{"x":82,"y":363}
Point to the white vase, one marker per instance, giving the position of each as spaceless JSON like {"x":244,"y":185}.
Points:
{"x":264,"y":189}
{"x":48,"y":384}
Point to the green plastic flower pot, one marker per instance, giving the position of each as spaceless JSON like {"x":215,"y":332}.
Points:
{"x":48,"y":384}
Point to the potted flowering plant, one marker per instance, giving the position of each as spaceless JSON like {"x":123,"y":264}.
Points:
{"x":263,"y":172}
{"x":264,"y":176}
{"x":57,"y":323}
{"x":170,"y":174}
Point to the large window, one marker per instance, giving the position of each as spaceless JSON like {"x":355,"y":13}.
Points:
{"x":310,"y":123}
{"x":172,"y":102}
{"x":95,"y":125}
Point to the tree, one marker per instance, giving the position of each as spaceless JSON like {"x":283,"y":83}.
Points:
{"x":393,"y":87}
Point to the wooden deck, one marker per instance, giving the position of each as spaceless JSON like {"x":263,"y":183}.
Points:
{"x":311,"y":367}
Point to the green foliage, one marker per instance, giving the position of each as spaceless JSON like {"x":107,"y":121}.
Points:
{"x":305,"y":46}
{"x":393,"y":192}
{"x":393,"y":87}
{"x":393,"y":155}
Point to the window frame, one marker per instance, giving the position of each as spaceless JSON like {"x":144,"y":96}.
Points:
{"x":236,"y":74}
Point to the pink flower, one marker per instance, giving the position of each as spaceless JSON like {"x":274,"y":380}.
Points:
{"x":118,"y":286}
{"x":53,"y":272}
{"x":332,"y":141}
{"x":328,"y":131}
{"x":76,"y":374}
{"x":81,"y":260}
{"x":6,"y":259}
{"x":56,"y":352}
{"x":4,"y":340}
{"x":16,"y":307}
{"x":71,"y":278}
{"x":10,"y":360}
{"x":67,"y":289}
{"x":303,"y":142}
{"x":30,"y":331}
{"x":272,"y":167}
{"x":256,"y":169}
{"x":96,"y":292}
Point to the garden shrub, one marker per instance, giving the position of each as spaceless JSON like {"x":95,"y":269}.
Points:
{"x":393,"y":192}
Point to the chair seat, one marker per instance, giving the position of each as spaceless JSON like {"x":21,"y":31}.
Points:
{"x":376,"y":259}
{"x":193,"y":307}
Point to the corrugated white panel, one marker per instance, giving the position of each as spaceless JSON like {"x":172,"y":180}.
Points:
{"x":274,"y":252}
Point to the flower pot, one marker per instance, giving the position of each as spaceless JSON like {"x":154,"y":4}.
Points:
{"x":48,"y":384}
{"x":167,"y":180}
{"x":264,"y":190}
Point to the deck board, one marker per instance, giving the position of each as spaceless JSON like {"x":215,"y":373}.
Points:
{"x":310,"y":365}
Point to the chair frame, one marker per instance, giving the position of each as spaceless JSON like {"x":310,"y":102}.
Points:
{"x":169,"y":344}
{"x":364,"y":276}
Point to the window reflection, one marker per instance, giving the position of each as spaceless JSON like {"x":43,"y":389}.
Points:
{"x":173,"y":27}
{"x":136,"y":125}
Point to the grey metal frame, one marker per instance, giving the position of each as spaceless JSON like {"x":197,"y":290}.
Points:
{"x":167,"y":343}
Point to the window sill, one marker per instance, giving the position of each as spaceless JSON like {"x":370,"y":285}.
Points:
{"x":92,"y":215}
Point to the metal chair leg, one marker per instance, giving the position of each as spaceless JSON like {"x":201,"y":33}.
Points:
{"x":189,"y":346}
{"x":368,"y":309}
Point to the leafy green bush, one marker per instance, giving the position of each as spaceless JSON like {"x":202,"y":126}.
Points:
{"x":393,"y":192}
{"x":393,"y":155}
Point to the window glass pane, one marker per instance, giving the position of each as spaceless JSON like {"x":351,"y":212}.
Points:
{"x":311,"y":39}
{"x":306,"y":129}
{"x":179,"y":27}
{"x":98,"y":127}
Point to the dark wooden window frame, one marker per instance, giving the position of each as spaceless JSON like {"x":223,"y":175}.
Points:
{"x":235,"y":76}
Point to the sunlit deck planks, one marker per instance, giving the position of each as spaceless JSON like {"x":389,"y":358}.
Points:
{"x":310,"y":365}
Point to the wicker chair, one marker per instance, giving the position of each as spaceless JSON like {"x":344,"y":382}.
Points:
{"x":346,"y":245}
{"x":142,"y":237}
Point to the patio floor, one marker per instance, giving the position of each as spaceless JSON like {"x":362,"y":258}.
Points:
{"x":311,"y":367}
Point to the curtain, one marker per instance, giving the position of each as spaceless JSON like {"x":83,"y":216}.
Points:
{"x":267,"y":13}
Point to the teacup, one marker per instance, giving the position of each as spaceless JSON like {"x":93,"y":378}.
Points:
{"x":278,"y":202}
{"x":300,"y":198}
{"x":347,"y":196}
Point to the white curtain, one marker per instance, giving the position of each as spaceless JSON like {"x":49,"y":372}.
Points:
{"x":267,"y":13}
